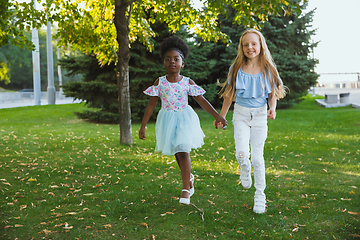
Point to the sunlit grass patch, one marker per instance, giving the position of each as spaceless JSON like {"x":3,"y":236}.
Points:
{"x":65,"y":178}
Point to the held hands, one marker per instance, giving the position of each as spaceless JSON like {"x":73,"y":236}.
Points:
{"x":271,"y":114}
{"x":142,"y":133}
{"x":220,"y":123}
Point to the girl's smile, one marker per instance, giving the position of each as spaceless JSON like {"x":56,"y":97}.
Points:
{"x":251,"y":45}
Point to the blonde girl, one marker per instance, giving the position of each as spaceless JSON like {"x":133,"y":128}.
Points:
{"x":253,"y":83}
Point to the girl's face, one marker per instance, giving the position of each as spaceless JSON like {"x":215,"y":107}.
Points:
{"x":251,"y":45}
{"x":173,"y":62}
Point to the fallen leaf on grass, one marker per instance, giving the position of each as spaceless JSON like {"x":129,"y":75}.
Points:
{"x":51,"y":193}
{"x":18,"y":225}
{"x":88,"y":227}
{"x":345,"y":199}
{"x":241,"y":232}
{"x":71,"y":213}
{"x":7,"y":226}
{"x":144,"y":224}
{"x":353,"y":213}
{"x":32,"y":180}
{"x":107,"y":225}
{"x":305,"y":207}
{"x":6,"y":183}
{"x":166,"y":213}
{"x":45,"y":231}
{"x":67,"y":227}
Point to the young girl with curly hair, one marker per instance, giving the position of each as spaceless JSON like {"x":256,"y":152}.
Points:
{"x":177,"y":126}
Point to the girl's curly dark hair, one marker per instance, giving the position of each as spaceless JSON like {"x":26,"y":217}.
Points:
{"x":174,"y":43}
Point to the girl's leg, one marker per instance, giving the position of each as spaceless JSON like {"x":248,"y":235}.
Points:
{"x":177,"y":160}
{"x":241,"y":123}
{"x":184,"y":162}
{"x":258,"y":136}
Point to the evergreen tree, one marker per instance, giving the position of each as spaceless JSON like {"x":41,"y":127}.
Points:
{"x":288,"y":39}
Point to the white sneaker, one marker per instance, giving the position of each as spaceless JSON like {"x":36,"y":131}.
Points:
{"x":259,"y":204}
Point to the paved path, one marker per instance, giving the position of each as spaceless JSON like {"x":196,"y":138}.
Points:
{"x":25,"y":103}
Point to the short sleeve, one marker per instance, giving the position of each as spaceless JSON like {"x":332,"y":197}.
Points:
{"x":196,"y":90}
{"x":152,"y":91}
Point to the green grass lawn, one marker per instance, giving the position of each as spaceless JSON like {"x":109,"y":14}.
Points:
{"x":63,"y":178}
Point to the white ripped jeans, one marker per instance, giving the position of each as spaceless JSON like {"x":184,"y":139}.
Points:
{"x":250,"y":125}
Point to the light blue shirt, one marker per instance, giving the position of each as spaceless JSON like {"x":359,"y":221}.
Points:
{"x":252,"y":90}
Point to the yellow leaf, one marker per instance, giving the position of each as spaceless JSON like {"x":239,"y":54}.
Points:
{"x":103,"y":215}
{"x":32,"y":180}
{"x":107,"y":225}
{"x":144,"y":224}
{"x":51,"y":193}
{"x":18,"y":225}
{"x":352,"y":192}
{"x":6,"y":183}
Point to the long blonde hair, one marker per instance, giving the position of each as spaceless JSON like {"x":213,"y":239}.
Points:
{"x":267,"y":64}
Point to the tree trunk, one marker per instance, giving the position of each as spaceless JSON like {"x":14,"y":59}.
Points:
{"x":122,"y":70}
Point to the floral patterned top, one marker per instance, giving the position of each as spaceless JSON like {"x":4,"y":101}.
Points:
{"x":174,"y":96}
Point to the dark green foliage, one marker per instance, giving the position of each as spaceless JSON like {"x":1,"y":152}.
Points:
{"x":289,"y":42}
{"x":98,"y":89}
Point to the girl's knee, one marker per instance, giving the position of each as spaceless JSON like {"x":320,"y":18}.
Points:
{"x":241,"y":155}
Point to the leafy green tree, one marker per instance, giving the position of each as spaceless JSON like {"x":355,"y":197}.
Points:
{"x":11,"y":24}
{"x":96,"y":28}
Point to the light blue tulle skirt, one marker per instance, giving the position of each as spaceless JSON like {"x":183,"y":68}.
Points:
{"x":178,"y":131}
